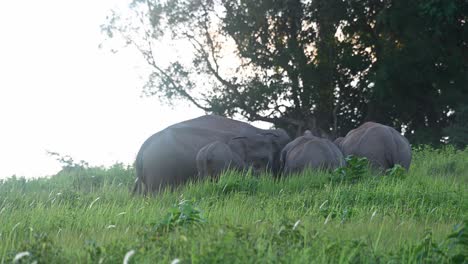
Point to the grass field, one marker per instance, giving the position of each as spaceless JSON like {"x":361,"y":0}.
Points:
{"x":87,"y":215}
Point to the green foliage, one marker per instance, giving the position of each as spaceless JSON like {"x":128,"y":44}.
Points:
{"x":289,"y":233}
{"x":231,"y":182}
{"x":420,"y":218}
{"x":94,"y":251}
{"x":322,"y":65}
{"x":452,"y":162}
{"x":457,"y":132}
{"x":397,"y":172}
{"x":41,"y":249}
{"x":354,"y":170}
{"x":111,"y":253}
{"x":181,"y":215}
{"x":458,"y":244}
{"x":67,"y":161}
{"x":452,"y":250}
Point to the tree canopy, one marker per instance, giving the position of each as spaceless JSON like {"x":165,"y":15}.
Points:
{"x":323,"y":65}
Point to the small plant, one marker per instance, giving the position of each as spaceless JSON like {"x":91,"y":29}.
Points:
{"x":289,"y":233}
{"x":355,"y":169}
{"x":109,"y":253}
{"x":39,"y":249}
{"x":458,"y":243}
{"x":94,"y":250}
{"x":428,"y":250}
{"x":182,"y":214}
{"x":397,"y":172}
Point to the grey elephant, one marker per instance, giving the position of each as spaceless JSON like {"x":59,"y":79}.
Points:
{"x":309,"y":151}
{"x":382,"y":145}
{"x":338,"y":141}
{"x":215,"y":158}
{"x":168,"y":158}
{"x":259,"y":152}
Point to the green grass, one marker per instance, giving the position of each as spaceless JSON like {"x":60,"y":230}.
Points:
{"x":87,"y":215}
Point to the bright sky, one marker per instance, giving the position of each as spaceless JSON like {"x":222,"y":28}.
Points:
{"x":60,"y":92}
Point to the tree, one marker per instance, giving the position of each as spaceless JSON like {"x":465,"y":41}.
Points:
{"x":457,"y":131}
{"x":285,"y":58}
{"x":323,"y":65}
{"x":419,"y":62}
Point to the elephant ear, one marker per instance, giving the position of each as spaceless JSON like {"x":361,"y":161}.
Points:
{"x":273,"y":138}
{"x":275,"y":141}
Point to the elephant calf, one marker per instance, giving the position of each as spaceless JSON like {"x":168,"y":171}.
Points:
{"x":215,"y":158}
{"x":382,"y":145}
{"x":310,"y":151}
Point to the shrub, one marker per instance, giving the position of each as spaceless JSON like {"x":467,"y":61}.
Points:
{"x":397,"y":172}
{"x":182,"y":214}
{"x":354,"y":170}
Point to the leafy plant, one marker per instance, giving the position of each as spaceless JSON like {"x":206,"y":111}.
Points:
{"x":289,"y":233}
{"x":355,"y":169}
{"x":428,"y":250}
{"x":40,"y":249}
{"x":458,"y":243}
{"x":94,"y":250}
{"x":397,"y":172}
{"x":184,"y":213}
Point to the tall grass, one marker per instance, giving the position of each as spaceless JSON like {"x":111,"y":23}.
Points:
{"x":87,"y":215}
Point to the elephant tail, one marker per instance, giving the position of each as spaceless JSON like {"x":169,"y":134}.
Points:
{"x":139,"y":174}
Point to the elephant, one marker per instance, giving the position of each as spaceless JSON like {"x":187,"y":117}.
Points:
{"x":215,"y":158}
{"x":259,"y":152}
{"x":338,"y":141}
{"x":382,"y":145}
{"x":168,"y":157}
{"x":310,"y":151}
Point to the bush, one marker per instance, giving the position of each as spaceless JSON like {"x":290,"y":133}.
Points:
{"x":182,"y":214}
{"x":354,"y":170}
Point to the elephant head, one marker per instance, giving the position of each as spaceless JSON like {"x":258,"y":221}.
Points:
{"x":260,"y":151}
{"x":215,"y":158}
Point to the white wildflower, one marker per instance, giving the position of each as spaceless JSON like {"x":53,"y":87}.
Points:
{"x":110,"y":226}
{"x":175,"y":261}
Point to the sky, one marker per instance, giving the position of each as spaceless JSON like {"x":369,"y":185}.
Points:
{"x":59,"y":92}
